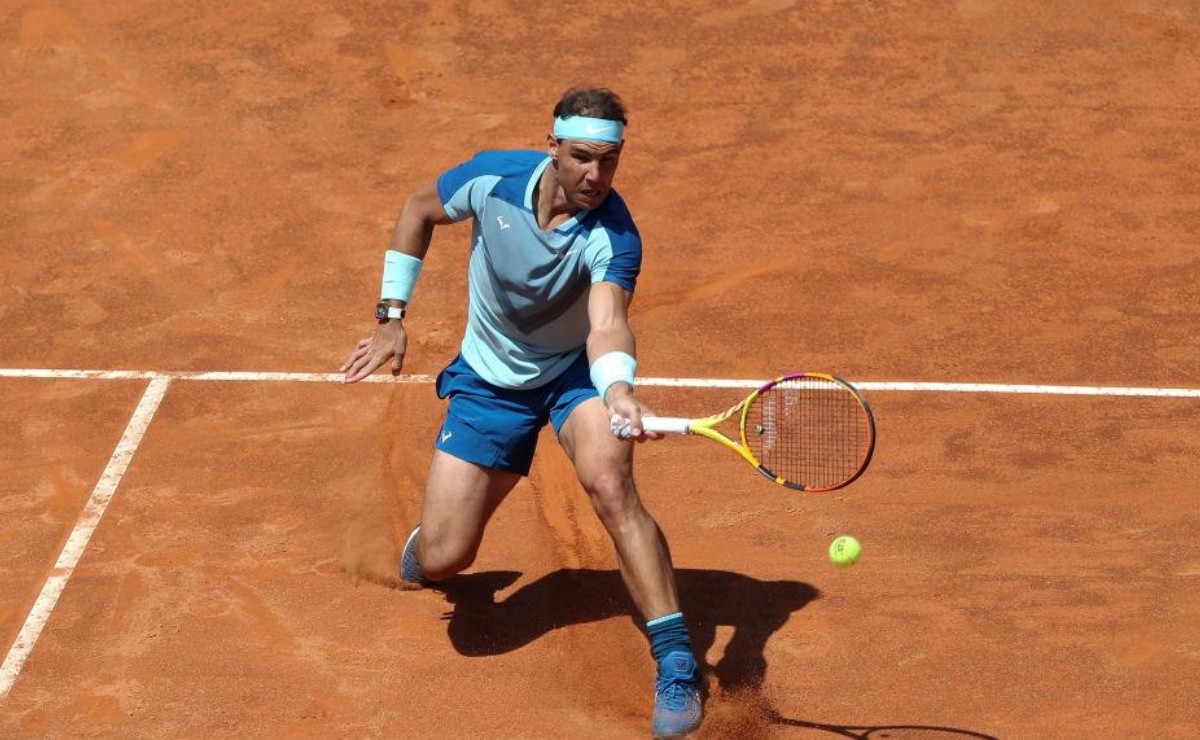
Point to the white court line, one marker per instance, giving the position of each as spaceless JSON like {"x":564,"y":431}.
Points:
{"x":77,"y":542}
{"x":1059,"y":390}
{"x":870,"y":385}
{"x":204,"y":375}
{"x":934,"y":387}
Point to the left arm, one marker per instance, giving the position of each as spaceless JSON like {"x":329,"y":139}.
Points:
{"x":608,"y":314}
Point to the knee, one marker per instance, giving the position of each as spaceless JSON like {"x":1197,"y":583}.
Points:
{"x":613,"y":495}
{"x":442,"y":556}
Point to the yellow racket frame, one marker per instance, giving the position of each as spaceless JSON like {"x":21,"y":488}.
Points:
{"x":707,"y":427}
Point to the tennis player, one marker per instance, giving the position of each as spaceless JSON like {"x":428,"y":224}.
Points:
{"x":554,"y":261}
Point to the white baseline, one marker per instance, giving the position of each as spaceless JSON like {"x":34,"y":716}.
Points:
{"x":866,"y":385}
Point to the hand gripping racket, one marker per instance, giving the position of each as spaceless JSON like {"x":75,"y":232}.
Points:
{"x":806,"y":431}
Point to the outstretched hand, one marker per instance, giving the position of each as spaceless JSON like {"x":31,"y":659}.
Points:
{"x":390,"y":342}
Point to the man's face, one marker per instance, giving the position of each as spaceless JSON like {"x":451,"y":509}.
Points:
{"x":585,"y":169}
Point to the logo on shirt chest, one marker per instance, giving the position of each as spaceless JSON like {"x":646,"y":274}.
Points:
{"x":503,"y":224}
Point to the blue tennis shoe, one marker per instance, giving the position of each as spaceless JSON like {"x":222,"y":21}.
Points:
{"x":678,"y":707}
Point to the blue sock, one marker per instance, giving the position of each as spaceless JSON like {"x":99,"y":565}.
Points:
{"x":667,"y":635}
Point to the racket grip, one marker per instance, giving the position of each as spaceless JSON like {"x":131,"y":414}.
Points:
{"x":666,"y":424}
{"x":661,"y":424}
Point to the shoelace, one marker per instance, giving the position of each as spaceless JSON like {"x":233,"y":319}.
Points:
{"x":675,"y":692}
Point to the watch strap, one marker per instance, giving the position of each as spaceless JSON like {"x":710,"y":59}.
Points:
{"x":384,"y":312}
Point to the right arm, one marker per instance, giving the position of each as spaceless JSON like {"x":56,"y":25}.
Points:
{"x":422,"y":211}
{"x":414,"y":230}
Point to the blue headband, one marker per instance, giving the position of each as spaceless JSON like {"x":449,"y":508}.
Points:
{"x":590,"y":129}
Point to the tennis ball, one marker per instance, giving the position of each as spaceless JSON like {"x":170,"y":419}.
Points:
{"x":845,"y":551}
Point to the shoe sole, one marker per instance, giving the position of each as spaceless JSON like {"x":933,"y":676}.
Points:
{"x":407,"y":544}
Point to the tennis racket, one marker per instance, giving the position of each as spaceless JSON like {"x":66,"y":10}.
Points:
{"x":806,"y":431}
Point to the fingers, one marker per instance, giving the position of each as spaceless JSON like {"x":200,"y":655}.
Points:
{"x":361,"y":364}
{"x":619,"y":426}
{"x":634,"y":415}
{"x":369,"y":354}
{"x":623,"y":428}
{"x":643,"y":412}
{"x":359,"y":350}
{"x":635,"y":420}
{"x":628,"y":420}
{"x":361,"y":369}
{"x":367,"y":366}
{"x":630,"y":411}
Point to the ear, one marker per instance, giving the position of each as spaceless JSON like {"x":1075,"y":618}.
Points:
{"x":552,"y":146}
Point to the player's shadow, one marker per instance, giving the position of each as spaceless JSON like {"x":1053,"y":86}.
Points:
{"x":481,"y":625}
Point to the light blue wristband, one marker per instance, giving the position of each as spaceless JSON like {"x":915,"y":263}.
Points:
{"x":610,"y":368}
{"x":400,"y":273}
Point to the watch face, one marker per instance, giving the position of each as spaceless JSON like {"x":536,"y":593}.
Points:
{"x":381,"y":311}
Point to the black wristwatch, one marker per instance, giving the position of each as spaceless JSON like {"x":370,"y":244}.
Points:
{"x":385,"y":313}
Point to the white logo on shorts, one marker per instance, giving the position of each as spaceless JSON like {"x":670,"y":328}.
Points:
{"x":446,"y":436}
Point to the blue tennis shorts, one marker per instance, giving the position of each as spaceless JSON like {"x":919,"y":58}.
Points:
{"x":498,"y":427}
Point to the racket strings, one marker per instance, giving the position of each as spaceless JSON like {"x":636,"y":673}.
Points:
{"x":810,"y":431}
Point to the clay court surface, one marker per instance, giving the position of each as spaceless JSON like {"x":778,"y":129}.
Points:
{"x":971,"y":192}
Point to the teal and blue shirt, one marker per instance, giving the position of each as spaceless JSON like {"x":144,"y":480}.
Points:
{"x":528,"y":287}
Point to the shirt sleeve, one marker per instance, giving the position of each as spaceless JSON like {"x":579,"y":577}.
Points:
{"x":464,"y":188}
{"x":621,"y":261}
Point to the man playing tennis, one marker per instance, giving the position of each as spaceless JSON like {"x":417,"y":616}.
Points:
{"x":555,"y":256}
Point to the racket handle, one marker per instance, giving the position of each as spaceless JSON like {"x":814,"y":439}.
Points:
{"x":661,"y":424}
{"x":666,"y":424}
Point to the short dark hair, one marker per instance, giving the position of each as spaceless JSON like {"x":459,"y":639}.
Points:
{"x":593,"y":102}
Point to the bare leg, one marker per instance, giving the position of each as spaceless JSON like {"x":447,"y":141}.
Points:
{"x":604,"y":465}
{"x":460,"y":498}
